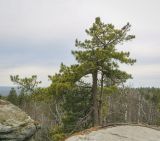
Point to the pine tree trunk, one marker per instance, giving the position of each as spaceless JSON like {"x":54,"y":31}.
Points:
{"x":94,"y":98}
{"x":100,"y":101}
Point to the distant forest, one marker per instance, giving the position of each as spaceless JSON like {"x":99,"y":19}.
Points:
{"x":5,"y":90}
{"x":60,"y":118}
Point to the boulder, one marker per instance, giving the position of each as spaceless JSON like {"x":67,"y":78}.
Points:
{"x":119,"y":133}
{"x":15,"y":125}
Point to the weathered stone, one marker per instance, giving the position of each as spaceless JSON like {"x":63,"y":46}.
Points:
{"x":15,"y":125}
{"x":119,"y":133}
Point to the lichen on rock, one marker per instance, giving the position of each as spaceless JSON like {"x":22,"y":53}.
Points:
{"x":15,"y":125}
{"x":119,"y":133}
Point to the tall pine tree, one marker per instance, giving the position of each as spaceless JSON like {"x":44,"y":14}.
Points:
{"x":98,"y":56}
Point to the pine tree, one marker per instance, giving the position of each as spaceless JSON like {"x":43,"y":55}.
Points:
{"x":27,"y":84}
{"x":98,"y":55}
{"x":12,"y":97}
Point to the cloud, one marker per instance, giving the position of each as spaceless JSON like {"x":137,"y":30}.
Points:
{"x":143,"y":75}
{"x":39,"y":35}
{"x":45,"y":53}
{"x":27,"y":71}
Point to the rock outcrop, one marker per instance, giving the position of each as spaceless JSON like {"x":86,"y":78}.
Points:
{"x":119,"y":133}
{"x":15,"y":125}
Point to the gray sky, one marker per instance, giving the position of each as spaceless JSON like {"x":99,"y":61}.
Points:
{"x":37,"y":35}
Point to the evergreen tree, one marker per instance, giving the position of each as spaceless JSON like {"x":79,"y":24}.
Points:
{"x":12,"y":97}
{"x":77,"y":109}
{"x":27,"y":84}
{"x":98,"y":55}
{"x":21,"y":98}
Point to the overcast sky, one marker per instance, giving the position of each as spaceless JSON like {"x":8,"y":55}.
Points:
{"x":37,"y":35}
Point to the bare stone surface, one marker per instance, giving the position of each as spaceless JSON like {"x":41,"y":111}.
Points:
{"x":15,"y":125}
{"x":120,"y":133}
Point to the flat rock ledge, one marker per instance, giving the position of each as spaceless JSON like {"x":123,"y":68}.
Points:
{"x":15,"y":125}
{"x":119,"y":133}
